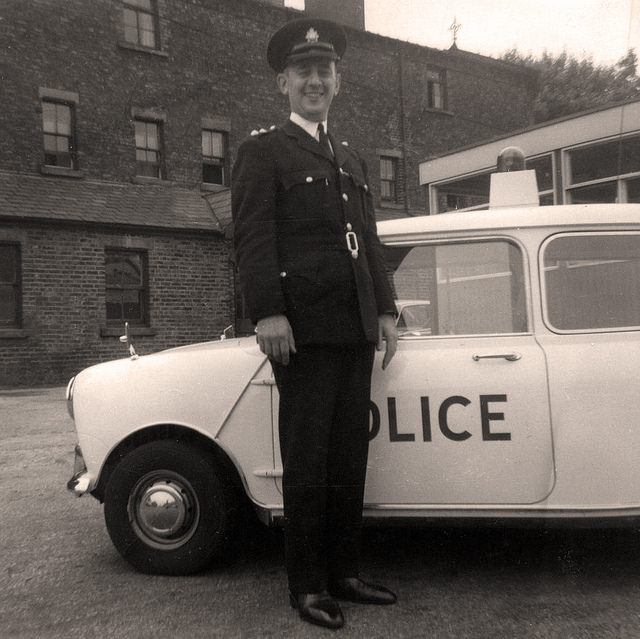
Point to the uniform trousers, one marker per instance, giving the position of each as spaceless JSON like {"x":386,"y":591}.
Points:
{"x":324,"y":438}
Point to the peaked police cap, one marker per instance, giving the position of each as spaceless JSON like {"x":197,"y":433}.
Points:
{"x":303,"y":39}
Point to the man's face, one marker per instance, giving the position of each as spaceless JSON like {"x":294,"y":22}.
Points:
{"x":310,"y":85}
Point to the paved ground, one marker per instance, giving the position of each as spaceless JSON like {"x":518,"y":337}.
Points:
{"x":61,"y":578}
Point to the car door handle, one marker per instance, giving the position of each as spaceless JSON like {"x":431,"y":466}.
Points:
{"x":510,"y":357}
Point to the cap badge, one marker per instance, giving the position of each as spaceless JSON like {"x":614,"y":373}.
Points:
{"x":312,"y":35}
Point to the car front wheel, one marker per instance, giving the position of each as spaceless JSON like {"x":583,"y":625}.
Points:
{"x":166,"y":509}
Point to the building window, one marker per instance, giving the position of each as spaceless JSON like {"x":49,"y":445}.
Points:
{"x":214,"y":155}
{"x":594,"y":171}
{"x":543,"y":166}
{"x":126,"y":286}
{"x":58,"y":127}
{"x":140,"y":23}
{"x":388,"y":179}
{"x":148,"y":149}
{"x":436,"y":89}
{"x":470,"y":193}
{"x":10,"y":286}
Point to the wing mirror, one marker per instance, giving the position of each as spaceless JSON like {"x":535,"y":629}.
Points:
{"x":228,"y":333}
{"x":126,"y":339}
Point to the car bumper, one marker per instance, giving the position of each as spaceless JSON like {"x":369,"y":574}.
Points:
{"x":80,"y":482}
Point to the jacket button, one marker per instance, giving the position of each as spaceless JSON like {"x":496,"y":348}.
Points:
{"x":309,"y":179}
{"x":283,"y":274}
{"x":345,"y":197}
{"x":349,"y":227}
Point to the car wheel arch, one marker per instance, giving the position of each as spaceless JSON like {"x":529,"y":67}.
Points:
{"x":229,"y":473}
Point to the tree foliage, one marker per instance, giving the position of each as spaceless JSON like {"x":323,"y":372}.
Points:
{"x":567,"y":85}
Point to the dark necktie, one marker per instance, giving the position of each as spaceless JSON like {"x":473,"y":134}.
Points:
{"x":323,"y":138}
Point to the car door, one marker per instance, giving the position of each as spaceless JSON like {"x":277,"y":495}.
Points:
{"x":461,"y":416}
{"x":591,"y":306}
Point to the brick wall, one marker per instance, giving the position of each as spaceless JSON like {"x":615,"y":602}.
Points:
{"x":63,"y":284}
{"x":213,"y":64}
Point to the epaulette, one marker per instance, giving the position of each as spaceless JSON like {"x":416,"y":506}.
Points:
{"x":255,"y":132}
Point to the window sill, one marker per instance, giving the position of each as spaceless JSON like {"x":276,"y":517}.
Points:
{"x":61,"y":171}
{"x":214,"y":188}
{"x":136,"y":47}
{"x":14,"y":333}
{"x":143,"y":179}
{"x":134,"y":331}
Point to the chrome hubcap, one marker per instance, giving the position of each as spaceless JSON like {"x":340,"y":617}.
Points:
{"x":164,"y":509}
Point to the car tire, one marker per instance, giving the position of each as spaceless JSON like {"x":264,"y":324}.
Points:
{"x":167,"y":510}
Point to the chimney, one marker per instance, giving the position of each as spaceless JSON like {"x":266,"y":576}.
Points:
{"x":349,"y":13}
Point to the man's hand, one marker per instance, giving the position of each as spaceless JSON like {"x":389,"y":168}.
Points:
{"x":275,"y":338}
{"x":387,"y":330}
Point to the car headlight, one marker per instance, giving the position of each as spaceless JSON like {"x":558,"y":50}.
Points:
{"x":69,"y":396}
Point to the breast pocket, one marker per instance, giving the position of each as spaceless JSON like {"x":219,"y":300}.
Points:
{"x":359,"y":196}
{"x":305,"y":194}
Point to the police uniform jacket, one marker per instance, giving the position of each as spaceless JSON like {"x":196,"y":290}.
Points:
{"x":293,"y":204}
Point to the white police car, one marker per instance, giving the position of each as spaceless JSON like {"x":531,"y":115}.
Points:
{"x":514,"y":393}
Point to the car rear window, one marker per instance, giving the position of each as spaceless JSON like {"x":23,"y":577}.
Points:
{"x":464,"y":288}
{"x":591,"y":281}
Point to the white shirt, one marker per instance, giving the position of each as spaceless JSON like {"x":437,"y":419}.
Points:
{"x":310,"y":127}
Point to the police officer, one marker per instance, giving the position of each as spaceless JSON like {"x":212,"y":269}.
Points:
{"x":312,"y":273}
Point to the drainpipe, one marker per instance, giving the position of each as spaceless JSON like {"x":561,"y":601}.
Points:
{"x":403,"y":141}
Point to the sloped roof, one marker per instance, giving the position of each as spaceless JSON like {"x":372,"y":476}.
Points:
{"x":35,"y":197}
{"x":220,"y":204}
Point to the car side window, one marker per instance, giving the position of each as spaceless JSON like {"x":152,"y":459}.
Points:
{"x":592,"y":281}
{"x":465,"y":288}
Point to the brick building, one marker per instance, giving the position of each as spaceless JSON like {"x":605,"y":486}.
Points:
{"x":120,"y":121}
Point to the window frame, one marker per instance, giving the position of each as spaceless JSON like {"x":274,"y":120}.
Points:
{"x":211,"y":160}
{"x":142,"y":288}
{"x":619,"y":179}
{"x":393,"y":182}
{"x":16,"y":285}
{"x":526,"y":281}
{"x":544,"y":288}
{"x":435,"y":187}
{"x":146,"y":149}
{"x":71,"y":137}
{"x":436,"y":101}
{"x":138,"y":10}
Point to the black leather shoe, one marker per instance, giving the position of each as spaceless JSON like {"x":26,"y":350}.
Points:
{"x":319,"y":608}
{"x":358,"y":591}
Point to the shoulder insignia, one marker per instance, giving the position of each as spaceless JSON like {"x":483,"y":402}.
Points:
{"x":345,"y":143}
{"x":262,"y":130}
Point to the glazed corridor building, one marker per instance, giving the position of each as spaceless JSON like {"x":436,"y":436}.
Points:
{"x":120,"y":121}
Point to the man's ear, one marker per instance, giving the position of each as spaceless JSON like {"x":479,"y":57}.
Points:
{"x":282,"y":82}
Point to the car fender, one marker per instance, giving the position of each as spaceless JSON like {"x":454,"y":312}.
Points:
{"x":196,"y":386}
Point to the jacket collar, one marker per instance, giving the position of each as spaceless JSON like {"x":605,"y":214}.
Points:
{"x":309,"y":143}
